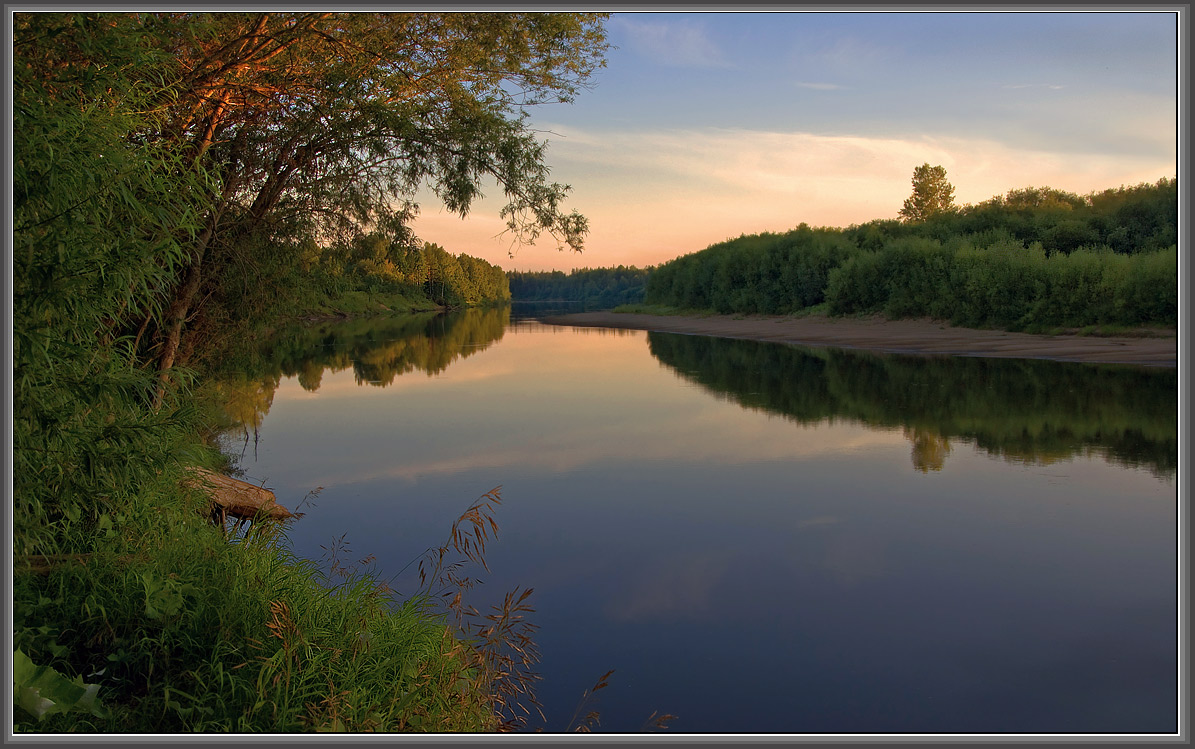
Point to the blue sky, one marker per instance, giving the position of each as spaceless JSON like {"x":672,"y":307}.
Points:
{"x":705,"y":126}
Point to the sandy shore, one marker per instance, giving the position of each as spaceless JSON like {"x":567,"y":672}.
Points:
{"x":897,"y":336}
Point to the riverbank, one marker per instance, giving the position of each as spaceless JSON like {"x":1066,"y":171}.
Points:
{"x":927,"y":337}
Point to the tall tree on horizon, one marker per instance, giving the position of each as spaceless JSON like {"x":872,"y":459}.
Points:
{"x":932,"y":194}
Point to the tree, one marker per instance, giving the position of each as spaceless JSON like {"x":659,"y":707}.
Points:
{"x":326,"y":124}
{"x":932,"y":194}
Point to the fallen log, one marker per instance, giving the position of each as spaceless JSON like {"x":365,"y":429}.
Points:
{"x":238,"y":499}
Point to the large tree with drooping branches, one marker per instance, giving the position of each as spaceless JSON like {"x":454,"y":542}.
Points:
{"x":330,"y":123}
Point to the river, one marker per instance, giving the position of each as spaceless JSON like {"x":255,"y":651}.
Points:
{"x":754,"y":537}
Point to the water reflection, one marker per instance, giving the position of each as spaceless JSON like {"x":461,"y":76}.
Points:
{"x":1029,"y":411}
{"x":746,"y":513}
{"x":377,"y":350}
{"x":1024,"y":410}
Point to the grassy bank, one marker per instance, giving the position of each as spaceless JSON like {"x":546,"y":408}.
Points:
{"x":134,"y":613}
{"x":361,"y":303}
{"x":177,"y":628}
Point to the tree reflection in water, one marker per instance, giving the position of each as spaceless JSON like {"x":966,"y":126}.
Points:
{"x":1024,"y":410}
{"x":378,"y":350}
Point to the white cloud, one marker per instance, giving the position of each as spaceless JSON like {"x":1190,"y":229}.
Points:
{"x":682,"y":45}
{"x":836,"y":170}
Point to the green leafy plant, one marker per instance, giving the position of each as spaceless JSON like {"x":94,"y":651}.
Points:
{"x":42,"y":691}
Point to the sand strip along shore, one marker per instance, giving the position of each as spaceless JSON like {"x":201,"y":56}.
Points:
{"x":896,"y":336}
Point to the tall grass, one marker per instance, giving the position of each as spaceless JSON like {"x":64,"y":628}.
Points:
{"x":185,"y":630}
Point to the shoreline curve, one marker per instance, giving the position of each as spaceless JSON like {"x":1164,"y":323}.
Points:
{"x":920,"y":336}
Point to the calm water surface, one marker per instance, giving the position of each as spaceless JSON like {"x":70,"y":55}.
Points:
{"x":757,"y":538}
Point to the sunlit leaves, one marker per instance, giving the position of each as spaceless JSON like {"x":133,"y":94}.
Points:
{"x":326,"y":125}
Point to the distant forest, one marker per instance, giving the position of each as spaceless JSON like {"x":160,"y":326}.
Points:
{"x":1032,"y":259}
{"x":598,"y":286}
{"x":379,"y":260}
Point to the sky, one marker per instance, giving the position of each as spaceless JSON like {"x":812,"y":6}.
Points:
{"x":704,"y":126}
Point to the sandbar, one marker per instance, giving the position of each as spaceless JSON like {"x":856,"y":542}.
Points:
{"x":919,"y":336}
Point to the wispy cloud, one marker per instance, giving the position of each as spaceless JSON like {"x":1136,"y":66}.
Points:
{"x":819,"y":86}
{"x":676,"y":44}
{"x":1051,"y":86}
{"x":849,"y":55}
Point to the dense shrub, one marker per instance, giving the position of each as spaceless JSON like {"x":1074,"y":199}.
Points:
{"x":1031,"y":259}
{"x":1008,"y":286}
{"x":765,"y":273}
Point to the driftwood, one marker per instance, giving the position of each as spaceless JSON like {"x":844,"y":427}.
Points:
{"x":238,"y":499}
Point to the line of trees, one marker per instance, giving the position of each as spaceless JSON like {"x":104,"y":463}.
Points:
{"x":1032,"y":258}
{"x":377,"y":259}
{"x":215,"y":143}
{"x":606,"y":287}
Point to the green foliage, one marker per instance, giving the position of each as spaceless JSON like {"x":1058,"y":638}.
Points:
{"x":765,"y":273}
{"x":378,"y":261}
{"x":598,"y":287}
{"x":99,"y":221}
{"x":329,"y":124}
{"x":1007,"y":285}
{"x":1034,"y":259}
{"x":369,"y":274}
{"x":42,"y":691}
{"x":279,"y":127}
{"x":1142,"y":218}
{"x":932,"y":194}
{"x":657,"y":309}
{"x":133,"y":197}
{"x":462,"y":280}
{"x":187,"y":632}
